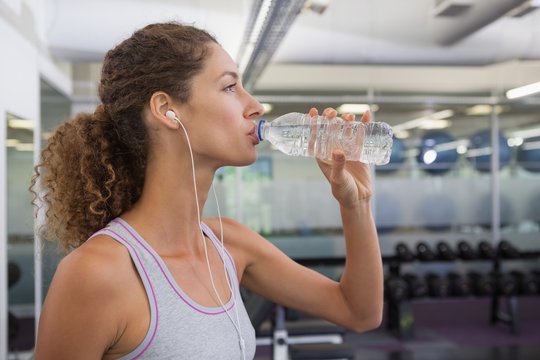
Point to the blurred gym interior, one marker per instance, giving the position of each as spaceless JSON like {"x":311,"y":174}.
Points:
{"x":457,"y":208}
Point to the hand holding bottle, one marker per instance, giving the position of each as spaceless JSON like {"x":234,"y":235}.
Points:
{"x":350,"y":180}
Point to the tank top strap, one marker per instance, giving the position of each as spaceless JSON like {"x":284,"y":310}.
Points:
{"x":115,"y":231}
{"x":224,"y":253}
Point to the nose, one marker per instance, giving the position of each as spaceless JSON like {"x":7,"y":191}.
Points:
{"x":254,"y":108}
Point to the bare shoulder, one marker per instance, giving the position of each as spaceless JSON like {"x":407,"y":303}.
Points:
{"x":244,"y":243}
{"x":236,"y":234}
{"x":101,"y":261}
{"x":83,"y":301}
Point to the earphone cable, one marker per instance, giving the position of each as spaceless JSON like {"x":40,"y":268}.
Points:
{"x":236,"y":326}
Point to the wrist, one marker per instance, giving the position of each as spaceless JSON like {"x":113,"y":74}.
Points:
{"x":363,"y":204}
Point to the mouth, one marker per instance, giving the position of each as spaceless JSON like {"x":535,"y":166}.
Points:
{"x":254,"y":136}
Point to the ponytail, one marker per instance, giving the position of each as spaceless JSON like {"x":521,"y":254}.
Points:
{"x":89,"y":175}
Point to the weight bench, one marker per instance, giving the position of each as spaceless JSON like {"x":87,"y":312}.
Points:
{"x":301,"y":339}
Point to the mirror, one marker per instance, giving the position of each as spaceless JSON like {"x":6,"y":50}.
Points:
{"x":20,"y":231}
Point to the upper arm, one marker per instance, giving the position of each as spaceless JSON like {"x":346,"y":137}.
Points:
{"x":79,"y":320}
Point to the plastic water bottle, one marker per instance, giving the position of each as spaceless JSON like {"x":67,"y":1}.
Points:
{"x":299,"y":134}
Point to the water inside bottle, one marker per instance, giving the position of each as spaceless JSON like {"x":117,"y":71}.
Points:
{"x":290,"y":139}
{"x":377,"y":144}
{"x":318,"y":137}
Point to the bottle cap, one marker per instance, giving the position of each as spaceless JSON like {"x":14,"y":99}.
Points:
{"x":259,"y":128}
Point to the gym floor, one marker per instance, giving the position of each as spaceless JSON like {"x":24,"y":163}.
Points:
{"x":445,"y":329}
{"x":451,"y":329}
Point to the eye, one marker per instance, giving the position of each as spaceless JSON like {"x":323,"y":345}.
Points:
{"x":231,"y":88}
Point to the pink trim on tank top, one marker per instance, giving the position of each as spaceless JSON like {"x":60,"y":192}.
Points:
{"x":154,"y":331}
{"x":171,"y":282}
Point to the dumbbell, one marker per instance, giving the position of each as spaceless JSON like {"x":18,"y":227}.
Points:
{"x":417,"y":286}
{"x":507,"y":250}
{"x":485,"y":250}
{"x":424,"y":252}
{"x":466,"y":251}
{"x":403,"y":252}
{"x":14,"y":273}
{"x":445,"y":252}
{"x":395,"y":289}
{"x":505,"y":284}
{"x":528,"y":283}
{"x":459,"y":285}
{"x":482,"y":285}
{"x":438,"y":286}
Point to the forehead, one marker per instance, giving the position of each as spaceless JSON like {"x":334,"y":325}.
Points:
{"x":218,"y":62}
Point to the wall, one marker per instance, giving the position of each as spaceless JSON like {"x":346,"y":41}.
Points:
{"x":23,"y":62}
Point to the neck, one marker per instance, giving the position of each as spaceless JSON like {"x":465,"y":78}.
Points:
{"x":167,"y":212}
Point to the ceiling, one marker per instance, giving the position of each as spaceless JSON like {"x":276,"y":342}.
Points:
{"x":395,"y":52}
{"x":378,"y":43}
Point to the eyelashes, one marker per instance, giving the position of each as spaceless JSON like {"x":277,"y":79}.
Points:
{"x":231,"y":88}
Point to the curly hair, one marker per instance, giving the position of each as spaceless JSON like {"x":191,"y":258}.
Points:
{"x":93,"y":167}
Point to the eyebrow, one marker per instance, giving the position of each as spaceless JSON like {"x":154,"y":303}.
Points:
{"x":230,"y":73}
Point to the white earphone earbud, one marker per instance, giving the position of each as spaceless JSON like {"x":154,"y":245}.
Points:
{"x":171,"y":115}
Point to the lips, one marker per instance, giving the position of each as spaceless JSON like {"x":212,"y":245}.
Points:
{"x":254,"y":136}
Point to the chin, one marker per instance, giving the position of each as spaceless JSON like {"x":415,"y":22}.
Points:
{"x":245,"y":160}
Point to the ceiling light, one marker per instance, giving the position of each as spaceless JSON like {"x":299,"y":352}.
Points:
{"x":451,"y":145}
{"x":12,"y":142}
{"x":443,"y":114}
{"x":434,"y":124}
{"x":403,"y":134}
{"x":523,"y":91}
{"x":514,"y":141}
{"x":317,"y":6}
{"x":483,"y":109}
{"x":524,"y":9}
{"x":24,"y":147}
{"x":451,"y":8}
{"x":526,"y":133}
{"x":267,"y":107}
{"x":21,"y":124}
{"x":485,"y":151}
{"x":533,"y":145}
{"x":356,"y":108}
{"x":428,"y":122}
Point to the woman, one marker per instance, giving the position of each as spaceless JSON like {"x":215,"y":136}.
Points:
{"x":155,"y":282}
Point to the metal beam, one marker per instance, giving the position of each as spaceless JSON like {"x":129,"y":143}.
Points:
{"x":449,"y":31}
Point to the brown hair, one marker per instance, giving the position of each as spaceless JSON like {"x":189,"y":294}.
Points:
{"x":94,"y":165}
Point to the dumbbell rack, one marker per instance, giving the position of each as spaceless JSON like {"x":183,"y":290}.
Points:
{"x":511,"y":316}
{"x":400,"y":316}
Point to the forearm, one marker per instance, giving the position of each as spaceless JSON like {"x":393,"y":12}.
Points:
{"x":362,"y":279}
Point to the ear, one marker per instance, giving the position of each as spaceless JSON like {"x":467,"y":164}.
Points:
{"x":160,"y":103}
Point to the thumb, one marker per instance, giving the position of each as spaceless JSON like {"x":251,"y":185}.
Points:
{"x":337,"y":174}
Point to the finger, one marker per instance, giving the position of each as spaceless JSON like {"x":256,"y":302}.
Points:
{"x":366,"y":117}
{"x":348,"y":117}
{"x":313,"y":112}
{"x":330,"y":113}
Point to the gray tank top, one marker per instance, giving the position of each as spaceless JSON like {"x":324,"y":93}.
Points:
{"x":179,"y":327}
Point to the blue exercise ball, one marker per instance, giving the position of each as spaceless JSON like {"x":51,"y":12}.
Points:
{"x":528,"y":155}
{"x":397,"y":158}
{"x":433,"y":156}
{"x":480,"y":151}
